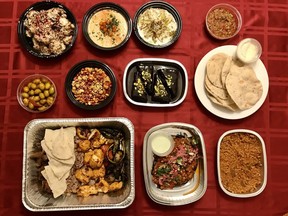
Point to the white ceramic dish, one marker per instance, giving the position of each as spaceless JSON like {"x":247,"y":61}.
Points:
{"x":264,"y":163}
{"x":217,"y":110}
{"x":158,"y":63}
{"x":35,"y":200}
{"x":190,"y":192}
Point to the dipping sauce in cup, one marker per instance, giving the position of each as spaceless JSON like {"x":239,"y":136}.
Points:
{"x":249,"y":50}
{"x":161,"y":143}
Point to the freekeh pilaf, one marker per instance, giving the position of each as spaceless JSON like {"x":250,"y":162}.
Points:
{"x":241,"y":163}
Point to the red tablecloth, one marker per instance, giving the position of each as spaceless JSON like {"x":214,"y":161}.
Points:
{"x":265,"y":20}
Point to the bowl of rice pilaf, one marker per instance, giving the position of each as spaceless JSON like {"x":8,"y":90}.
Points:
{"x":241,"y":163}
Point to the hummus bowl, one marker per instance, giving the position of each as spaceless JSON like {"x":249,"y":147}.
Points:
{"x":107,"y":26}
{"x":33,"y":196}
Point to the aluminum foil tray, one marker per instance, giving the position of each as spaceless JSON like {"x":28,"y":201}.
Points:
{"x":34,"y":200}
{"x":190,"y":192}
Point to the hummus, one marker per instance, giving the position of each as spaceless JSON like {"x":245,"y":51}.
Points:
{"x":107,"y":28}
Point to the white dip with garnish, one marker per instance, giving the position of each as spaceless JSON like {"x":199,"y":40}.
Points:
{"x":156,"y":26}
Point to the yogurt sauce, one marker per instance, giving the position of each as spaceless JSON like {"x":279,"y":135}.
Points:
{"x":107,"y":28}
{"x":161,"y":144}
{"x":248,"y":50}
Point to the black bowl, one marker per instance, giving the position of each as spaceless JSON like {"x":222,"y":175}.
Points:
{"x":93,"y":64}
{"x":161,"y":5}
{"x":106,"y":6}
{"x":27,"y":41}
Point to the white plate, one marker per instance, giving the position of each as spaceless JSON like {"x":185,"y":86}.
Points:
{"x":217,"y":110}
{"x":190,"y":192}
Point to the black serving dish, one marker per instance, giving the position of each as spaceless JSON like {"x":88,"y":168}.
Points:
{"x":175,"y":69}
{"x":161,"y":5}
{"x":27,"y":42}
{"x":106,"y":6}
{"x":93,"y":64}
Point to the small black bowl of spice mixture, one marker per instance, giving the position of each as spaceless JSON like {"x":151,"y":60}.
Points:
{"x":90,"y":85}
{"x":107,"y":26}
{"x":223,"y":21}
{"x":47,"y":29}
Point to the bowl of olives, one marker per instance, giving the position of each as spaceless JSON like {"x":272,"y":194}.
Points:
{"x":36,"y":93}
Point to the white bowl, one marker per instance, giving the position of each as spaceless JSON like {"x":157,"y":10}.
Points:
{"x":261,"y":187}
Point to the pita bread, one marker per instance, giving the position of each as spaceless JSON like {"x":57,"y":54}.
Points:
{"x":215,"y":91}
{"x":231,"y":84}
{"x":243,"y":86}
{"x":225,"y":70}
{"x":228,"y":103}
{"x":59,"y":147}
{"x":214,"y":69}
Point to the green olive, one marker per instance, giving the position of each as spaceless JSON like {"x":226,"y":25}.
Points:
{"x":51,"y":90}
{"x":47,"y":85}
{"x":42,"y":108}
{"x":36,"y":81}
{"x":25,"y":95}
{"x":43,"y":101}
{"x":41,"y":95}
{"x":26,"y":89}
{"x":46,"y":93}
{"x":44,"y":80}
{"x":29,"y":84}
{"x":36,"y":98}
{"x":37,"y":91}
{"x":25,"y":101}
{"x":31,"y":92}
{"x":33,"y":86}
{"x":41,"y":86}
{"x":50,"y":100}
{"x":31,"y":106}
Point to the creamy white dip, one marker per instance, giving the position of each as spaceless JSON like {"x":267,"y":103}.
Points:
{"x":161,"y":143}
{"x":156,"y":26}
{"x":107,"y":28}
{"x":248,"y":50}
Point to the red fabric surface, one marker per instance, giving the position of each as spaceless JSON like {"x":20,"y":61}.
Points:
{"x":265,"y":20}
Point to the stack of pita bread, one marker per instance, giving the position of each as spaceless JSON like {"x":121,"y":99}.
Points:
{"x":231,"y":84}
